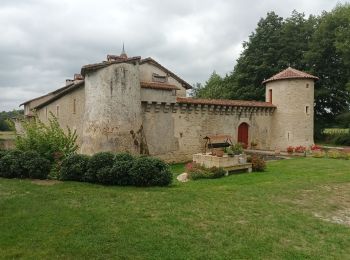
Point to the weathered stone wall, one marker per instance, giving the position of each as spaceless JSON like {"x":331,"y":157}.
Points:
{"x":112,"y":118}
{"x":157,"y":95}
{"x":66,"y":116}
{"x":174,"y":133}
{"x":30,"y":105}
{"x":147,"y":70}
{"x":292,"y":125}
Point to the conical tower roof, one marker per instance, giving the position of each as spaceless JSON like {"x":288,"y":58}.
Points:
{"x":290,"y":73}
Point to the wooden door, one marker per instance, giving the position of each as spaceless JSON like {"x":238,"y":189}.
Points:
{"x":243,"y":134}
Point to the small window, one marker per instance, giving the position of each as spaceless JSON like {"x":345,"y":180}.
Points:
{"x":74,"y":106}
{"x":270,"y":96}
{"x":307,"y":85}
{"x":57,"y":110}
{"x":159,"y":78}
{"x":174,"y":92}
{"x":307,"y":110}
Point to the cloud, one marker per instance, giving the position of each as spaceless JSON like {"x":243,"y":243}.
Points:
{"x":45,"y":42}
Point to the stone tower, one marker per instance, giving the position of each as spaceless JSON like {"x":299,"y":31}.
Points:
{"x":112,"y":116}
{"x":292,"y":92}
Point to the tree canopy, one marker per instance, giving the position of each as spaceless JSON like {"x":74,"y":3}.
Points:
{"x":318,"y":45}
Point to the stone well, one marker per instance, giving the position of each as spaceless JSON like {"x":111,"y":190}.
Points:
{"x":207,"y":160}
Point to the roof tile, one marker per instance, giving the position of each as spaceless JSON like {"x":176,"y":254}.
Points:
{"x":224,"y":102}
{"x":290,"y":73}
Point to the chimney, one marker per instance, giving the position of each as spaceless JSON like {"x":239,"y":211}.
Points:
{"x":78,"y":77}
{"x":69,"y":82}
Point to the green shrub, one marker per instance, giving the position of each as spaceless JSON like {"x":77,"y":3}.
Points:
{"x":341,"y":139}
{"x":195,"y":172}
{"x":35,"y":166}
{"x":148,"y":171}
{"x":3,"y":153}
{"x":48,"y":140}
{"x":334,"y":154}
{"x":105,"y":176}
{"x":123,"y":157}
{"x":236,"y":148}
{"x":121,"y":172}
{"x":258,"y":163}
{"x":96,"y":163}
{"x":217,"y":172}
{"x":318,"y":154}
{"x":11,"y":165}
{"x":74,"y":167}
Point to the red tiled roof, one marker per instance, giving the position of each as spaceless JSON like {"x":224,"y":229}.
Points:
{"x":158,"y":85}
{"x":224,"y":102}
{"x":290,"y":73}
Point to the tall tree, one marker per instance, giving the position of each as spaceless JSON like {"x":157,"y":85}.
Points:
{"x":328,"y":59}
{"x":213,"y":88}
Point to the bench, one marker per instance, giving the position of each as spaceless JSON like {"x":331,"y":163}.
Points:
{"x":245,"y":166}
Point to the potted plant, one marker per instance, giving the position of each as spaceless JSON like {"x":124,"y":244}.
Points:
{"x":253,"y":144}
{"x":237,"y":149}
{"x":290,"y":149}
{"x":219,"y":153}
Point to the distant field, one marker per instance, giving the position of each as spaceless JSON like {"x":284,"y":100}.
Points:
{"x":7,"y":135}
{"x":336,"y":131}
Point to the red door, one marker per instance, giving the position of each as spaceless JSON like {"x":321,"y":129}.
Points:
{"x":243,"y":134}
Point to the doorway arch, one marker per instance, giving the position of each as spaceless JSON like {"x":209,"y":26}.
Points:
{"x":243,"y":134}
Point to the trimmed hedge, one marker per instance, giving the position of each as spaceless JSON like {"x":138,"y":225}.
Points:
{"x":11,"y":165}
{"x":121,"y":172}
{"x":148,"y":171}
{"x":29,"y":164}
{"x":74,"y":167}
{"x":104,"y":167}
{"x":35,"y":166}
{"x":96,"y":165}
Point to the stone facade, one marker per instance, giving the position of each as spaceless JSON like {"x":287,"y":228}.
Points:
{"x":139,"y":106}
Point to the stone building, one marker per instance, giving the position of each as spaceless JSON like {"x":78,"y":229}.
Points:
{"x":139,"y":106}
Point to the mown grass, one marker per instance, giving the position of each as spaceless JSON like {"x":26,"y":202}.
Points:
{"x":284,"y":213}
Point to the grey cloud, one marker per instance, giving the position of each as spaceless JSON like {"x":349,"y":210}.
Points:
{"x":44,"y":42}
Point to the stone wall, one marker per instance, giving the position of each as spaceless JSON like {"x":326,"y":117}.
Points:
{"x":112,"y":118}
{"x":66,"y":114}
{"x":175,"y":132}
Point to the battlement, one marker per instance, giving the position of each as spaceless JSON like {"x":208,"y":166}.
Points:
{"x":240,"y":111}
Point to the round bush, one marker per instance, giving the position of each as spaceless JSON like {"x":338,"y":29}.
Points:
{"x":74,"y":167}
{"x":11,"y":165}
{"x":147,"y":171}
{"x":123,"y":157}
{"x":105,"y":176}
{"x":3,"y":153}
{"x":35,"y":166}
{"x":258,"y":163}
{"x":121,"y":172}
{"x":98,"y":161}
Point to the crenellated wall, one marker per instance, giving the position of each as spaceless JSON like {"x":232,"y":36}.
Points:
{"x":174,"y":132}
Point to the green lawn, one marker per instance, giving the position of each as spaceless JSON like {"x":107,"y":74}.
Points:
{"x":289,"y":212}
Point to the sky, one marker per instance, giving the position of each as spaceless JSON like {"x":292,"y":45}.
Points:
{"x":44,"y":42}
